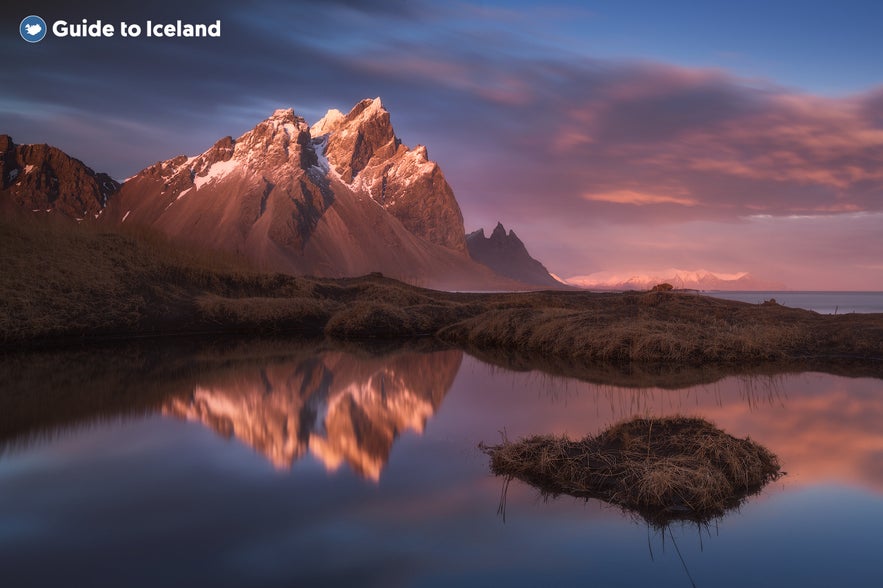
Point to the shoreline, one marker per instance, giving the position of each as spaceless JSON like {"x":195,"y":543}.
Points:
{"x":66,"y":286}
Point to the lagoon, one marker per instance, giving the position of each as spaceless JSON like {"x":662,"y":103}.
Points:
{"x":276,"y":464}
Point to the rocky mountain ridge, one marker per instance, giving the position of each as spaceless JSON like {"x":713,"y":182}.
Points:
{"x":42,"y":178}
{"x":506,"y":254}
{"x":342,"y":198}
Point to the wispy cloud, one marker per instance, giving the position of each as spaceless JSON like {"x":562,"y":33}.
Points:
{"x":639,"y":198}
{"x":563,"y":145}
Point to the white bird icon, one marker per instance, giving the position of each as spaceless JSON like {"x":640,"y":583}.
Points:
{"x":33,"y":29}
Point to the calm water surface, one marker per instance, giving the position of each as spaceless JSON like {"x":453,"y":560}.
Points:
{"x":267,"y":466}
{"x":821,"y":302}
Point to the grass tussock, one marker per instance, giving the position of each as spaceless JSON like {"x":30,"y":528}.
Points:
{"x":368,"y":319}
{"x":289,"y":314}
{"x":662,"y":469}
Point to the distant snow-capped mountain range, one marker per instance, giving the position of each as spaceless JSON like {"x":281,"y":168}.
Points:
{"x":700,"y":279}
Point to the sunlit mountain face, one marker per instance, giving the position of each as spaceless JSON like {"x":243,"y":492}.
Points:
{"x":344,"y":197}
{"x":337,"y":407}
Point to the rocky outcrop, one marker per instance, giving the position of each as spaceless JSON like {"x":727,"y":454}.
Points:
{"x":46,"y":179}
{"x":506,"y":254}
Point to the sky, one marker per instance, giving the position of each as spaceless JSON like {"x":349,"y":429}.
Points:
{"x":612,"y":136}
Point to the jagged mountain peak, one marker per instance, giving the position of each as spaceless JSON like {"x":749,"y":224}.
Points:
{"x":501,"y":237}
{"x":364,"y":152}
{"x":367,"y":113}
{"x":284,"y":114}
{"x":368,"y":107}
{"x":353,"y":140}
{"x":274,"y":147}
{"x":327,"y":124}
{"x":43,"y":178}
{"x":282,"y":138}
{"x":506,"y":254}
{"x":499,"y":232}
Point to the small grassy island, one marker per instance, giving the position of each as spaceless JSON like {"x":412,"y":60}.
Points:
{"x":662,"y":469}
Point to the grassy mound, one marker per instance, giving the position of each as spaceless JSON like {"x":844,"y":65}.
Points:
{"x":663,"y":469}
{"x":364,"y":320}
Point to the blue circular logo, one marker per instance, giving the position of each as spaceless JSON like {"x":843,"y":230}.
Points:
{"x":32,"y":29}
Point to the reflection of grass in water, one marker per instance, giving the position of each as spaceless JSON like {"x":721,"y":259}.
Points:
{"x":44,"y":394}
{"x":625,"y":399}
{"x":664,"y":470}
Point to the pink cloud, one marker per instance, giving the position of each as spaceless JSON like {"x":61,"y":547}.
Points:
{"x":636,"y":198}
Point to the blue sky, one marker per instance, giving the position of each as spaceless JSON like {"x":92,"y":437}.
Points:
{"x":829,"y":48}
{"x":612,"y":136}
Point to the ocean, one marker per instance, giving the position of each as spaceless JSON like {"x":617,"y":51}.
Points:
{"x":821,"y":302}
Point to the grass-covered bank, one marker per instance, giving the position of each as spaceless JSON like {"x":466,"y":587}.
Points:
{"x":63,"y":284}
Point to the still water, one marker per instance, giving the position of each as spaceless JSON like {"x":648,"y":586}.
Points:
{"x":269,"y":464}
{"x":820,"y":302}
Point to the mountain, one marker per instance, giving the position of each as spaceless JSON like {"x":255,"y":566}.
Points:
{"x":336,"y":407}
{"x":506,"y":254}
{"x":365,"y":154}
{"x":683,"y":279}
{"x":43,"y":178}
{"x":342,"y":198}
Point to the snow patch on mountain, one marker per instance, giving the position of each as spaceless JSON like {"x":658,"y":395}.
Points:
{"x":327,"y":123}
{"x":216,"y":171}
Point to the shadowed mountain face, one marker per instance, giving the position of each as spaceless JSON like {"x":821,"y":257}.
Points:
{"x":43,"y":178}
{"x":339,"y":408}
{"x":343,"y":198}
{"x":506,"y":254}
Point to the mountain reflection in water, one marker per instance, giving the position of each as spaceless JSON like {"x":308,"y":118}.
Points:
{"x":99,"y":488}
{"x":336,"y":406}
{"x":347,"y":405}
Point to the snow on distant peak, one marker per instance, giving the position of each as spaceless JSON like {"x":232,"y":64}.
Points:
{"x":284,"y":120}
{"x":327,"y":124}
{"x":283,"y":113}
{"x":699,"y":279}
{"x":217,"y":171}
{"x":374,"y":105}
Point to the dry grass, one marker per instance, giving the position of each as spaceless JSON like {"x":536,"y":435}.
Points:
{"x":270,"y":315}
{"x":663,"y":469}
{"x":61,"y":282}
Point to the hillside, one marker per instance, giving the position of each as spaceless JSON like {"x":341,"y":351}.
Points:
{"x":144,"y":285}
